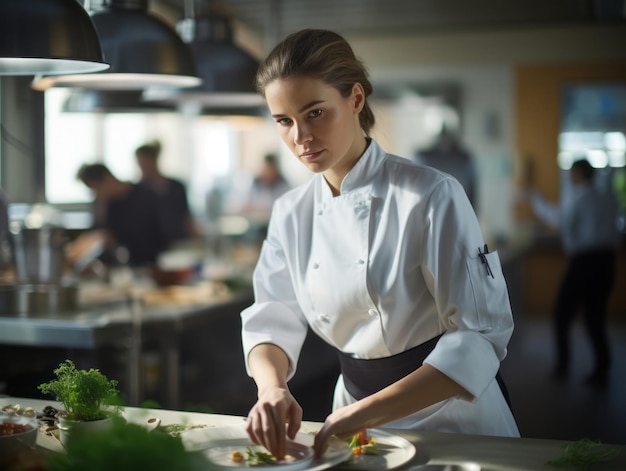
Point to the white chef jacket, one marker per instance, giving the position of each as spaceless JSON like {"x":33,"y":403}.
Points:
{"x":390,"y":263}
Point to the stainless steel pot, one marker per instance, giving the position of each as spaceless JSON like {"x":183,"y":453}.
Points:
{"x":39,"y":254}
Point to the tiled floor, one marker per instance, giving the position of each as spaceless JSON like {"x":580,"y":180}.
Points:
{"x":568,"y":409}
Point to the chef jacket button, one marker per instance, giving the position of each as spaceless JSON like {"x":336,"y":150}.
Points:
{"x":373,"y":312}
{"x":323,"y":318}
{"x":316,"y":265}
{"x":360,"y":261}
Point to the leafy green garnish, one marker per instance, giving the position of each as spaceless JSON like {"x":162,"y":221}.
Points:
{"x":82,"y":392}
{"x":176,"y":430}
{"x":583,"y":454}
{"x":258,"y":458}
{"x":127,"y":447}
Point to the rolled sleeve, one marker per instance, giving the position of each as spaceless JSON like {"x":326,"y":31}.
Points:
{"x":473,"y":306}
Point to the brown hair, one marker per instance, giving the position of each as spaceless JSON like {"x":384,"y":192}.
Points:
{"x":323,"y":55}
{"x":584,"y":168}
{"x":150,"y":150}
{"x":92,"y":173}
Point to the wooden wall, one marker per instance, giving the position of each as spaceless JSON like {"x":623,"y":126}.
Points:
{"x":538,"y":114}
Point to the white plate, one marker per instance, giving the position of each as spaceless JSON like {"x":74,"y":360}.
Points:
{"x":393,"y":451}
{"x":217,"y":443}
{"x":219,"y":453}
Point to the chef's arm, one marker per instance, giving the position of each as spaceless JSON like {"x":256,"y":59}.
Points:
{"x":422,"y":388}
{"x":275,"y":405}
{"x":269,"y":365}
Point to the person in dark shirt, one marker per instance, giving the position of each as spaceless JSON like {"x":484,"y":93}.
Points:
{"x":127,"y":215}
{"x":173,"y":205}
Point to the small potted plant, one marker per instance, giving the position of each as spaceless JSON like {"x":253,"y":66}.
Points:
{"x":85,"y":395}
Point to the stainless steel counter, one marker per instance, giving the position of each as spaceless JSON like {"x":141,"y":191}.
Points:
{"x":125,"y":324}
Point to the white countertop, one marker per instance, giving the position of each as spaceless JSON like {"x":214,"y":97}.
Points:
{"x":491,"y":453}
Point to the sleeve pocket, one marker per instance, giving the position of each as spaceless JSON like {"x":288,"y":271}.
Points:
{"x":487,"y":281}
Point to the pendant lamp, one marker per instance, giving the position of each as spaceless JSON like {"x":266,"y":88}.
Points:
{"x":111,"y":101}
{"x":143,"y":51}
{"x":228,"y":72}
{"x":47,"y":37}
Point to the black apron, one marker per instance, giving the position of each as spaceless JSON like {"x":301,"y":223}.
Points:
{"x":363,"y":378}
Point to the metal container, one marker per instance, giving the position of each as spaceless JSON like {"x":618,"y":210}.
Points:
{"x":22,"y":300}
{"x":39,"y":254}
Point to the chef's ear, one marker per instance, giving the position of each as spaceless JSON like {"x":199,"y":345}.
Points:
{"x":358,"y":97}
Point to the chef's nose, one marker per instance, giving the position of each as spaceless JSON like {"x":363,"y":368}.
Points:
{"x":302,"y":134}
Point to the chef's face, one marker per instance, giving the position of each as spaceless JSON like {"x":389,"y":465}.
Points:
{"x":318,"y":125}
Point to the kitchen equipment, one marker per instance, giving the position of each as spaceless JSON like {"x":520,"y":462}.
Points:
{"x":38,"y":253}
{"x":23,"y":299}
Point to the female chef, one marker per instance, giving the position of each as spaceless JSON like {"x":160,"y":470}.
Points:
{"x":382,"y":258}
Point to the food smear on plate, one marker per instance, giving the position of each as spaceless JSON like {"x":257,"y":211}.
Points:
{"x":257,"y":458}
{"x":362,"y":444}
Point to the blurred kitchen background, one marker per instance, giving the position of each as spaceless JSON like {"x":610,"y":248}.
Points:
{"x":522,"y":88}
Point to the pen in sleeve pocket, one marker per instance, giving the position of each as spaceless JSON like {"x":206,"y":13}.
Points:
{"x":483,"y":258}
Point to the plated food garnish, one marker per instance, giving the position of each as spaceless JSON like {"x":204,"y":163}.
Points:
{"x":362,"y":444}
{"x":257,"y":457}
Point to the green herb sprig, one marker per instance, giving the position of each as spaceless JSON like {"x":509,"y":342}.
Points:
{"x":583,"y":454}
{"x":82,"y":392}
{"x":258,"y":458}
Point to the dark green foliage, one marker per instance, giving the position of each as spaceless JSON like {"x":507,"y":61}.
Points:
{"x":583,"y":454}
{"x":128,"y":447}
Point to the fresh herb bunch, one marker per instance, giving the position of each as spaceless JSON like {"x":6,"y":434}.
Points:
{"x":128,"y":447}
{"x":82,"y":392}
{"x":583,"y":454}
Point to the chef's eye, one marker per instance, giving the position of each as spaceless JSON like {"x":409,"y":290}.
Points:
{"x":283,"y":121}
{"x":315,"y":113}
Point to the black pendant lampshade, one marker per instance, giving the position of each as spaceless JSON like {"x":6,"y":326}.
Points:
{"x":227,"y":71}
{"x":47,"y":37}
{"x":82,"y":100}
{"x":143,"y":51}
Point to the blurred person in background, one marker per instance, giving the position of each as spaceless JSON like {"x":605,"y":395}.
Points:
{"x":254,"y":200}
{"x":256,"y":197}
{"x":267,"y":186}
{"x":449,"y":155}
{"x":587,"y":220}
{"x":126,"y":215}
{"x":172,"y":194}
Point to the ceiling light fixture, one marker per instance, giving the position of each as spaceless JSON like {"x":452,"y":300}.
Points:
{"x":47,"y":37}
{"x":111,"y":101}
{"x":143,"y":51}
{"x":227,"y":71}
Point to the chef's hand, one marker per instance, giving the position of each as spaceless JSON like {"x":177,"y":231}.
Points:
{"x":342,"y":423}
{"x":275,"y":416}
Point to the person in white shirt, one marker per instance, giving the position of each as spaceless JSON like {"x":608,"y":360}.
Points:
{"x":382,"y":258}
{"x":587,"y":221}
